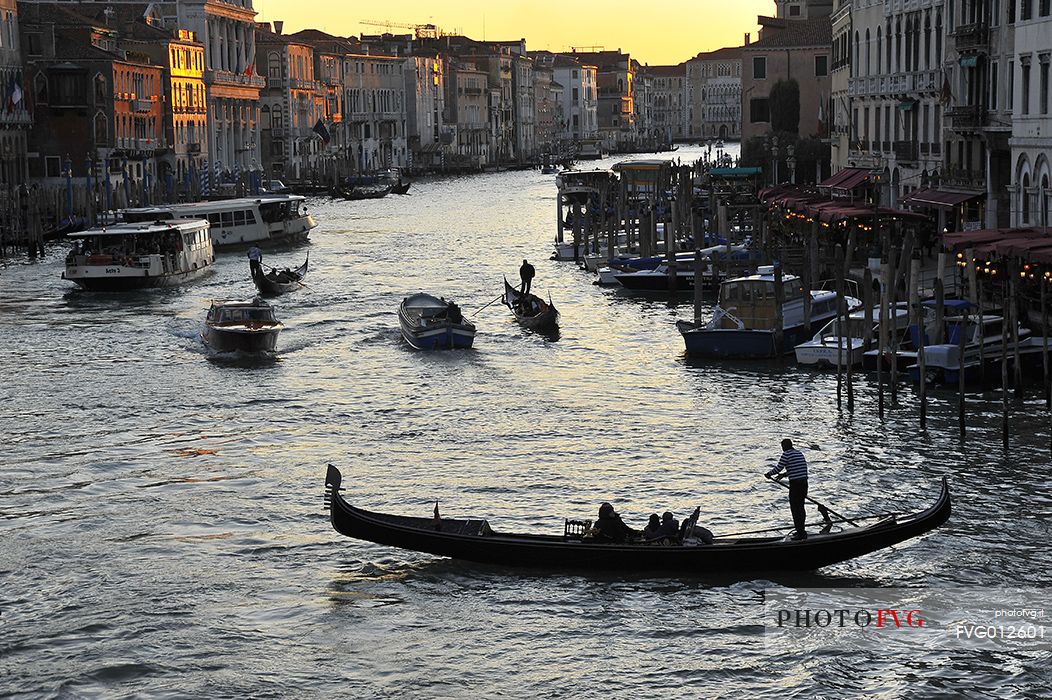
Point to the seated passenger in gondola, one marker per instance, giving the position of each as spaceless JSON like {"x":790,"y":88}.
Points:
{"x":669,"y":527}
{"x":453,"y":313}
{"x":653,"y":528}
{"x":610,"y":527}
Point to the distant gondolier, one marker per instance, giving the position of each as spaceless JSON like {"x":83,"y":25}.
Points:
{"x":255,"y":261}
{"x":526,"y":274}
{"x":793,"y":463}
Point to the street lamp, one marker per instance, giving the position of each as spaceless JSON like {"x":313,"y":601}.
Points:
{"x":774,"y":160}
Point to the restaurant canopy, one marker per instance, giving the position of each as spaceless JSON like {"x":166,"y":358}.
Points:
{"x":962,"y":240}
{"x":846,"y":179}
{"x":940,"y":199}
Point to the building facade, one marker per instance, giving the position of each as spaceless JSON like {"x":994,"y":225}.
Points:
{"x":713,"y":95}
{"x":580,"y":101}
{"x":375,"y":112}
{"x":669,"y":103}
{"x":227,"y":30}
{"x":1031,"y":141}
{"x":15,"y":118}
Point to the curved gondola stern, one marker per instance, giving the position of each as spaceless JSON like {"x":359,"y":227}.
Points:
{"x":333,"y":479}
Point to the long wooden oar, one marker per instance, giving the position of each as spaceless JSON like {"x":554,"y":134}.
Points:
{"x":499,"y":297}
{"x":822,"y":508}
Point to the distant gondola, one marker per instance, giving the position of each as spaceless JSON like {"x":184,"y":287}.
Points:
{"x":530,"y":310}
{"x":281,"y":281}
{"x":400,"y":187}
{"x":474,"y":540}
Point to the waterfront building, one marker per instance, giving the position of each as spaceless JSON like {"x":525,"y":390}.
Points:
{"x":291,"y":106}
{"x":645,"y":136}
{"x":787,"y":49}
{"x":468,"y":108}
{"x":184,"y":103}
{"x":549,"y":119}
{"x":232,"y":83}
{"x":580,"y":99}
{"x":891,"y":55}
{"x":525,"y":105}
{"x":374,"y":116}
{"x":428,"y":135}
{"x":615,"y":109}
{"x":839,"y":116}
{"x":713,"y":94}
{"x":96,"y":100}
{"x":1031,"y":142}
{"x":669,"y":103}
{"x":15,"y":118}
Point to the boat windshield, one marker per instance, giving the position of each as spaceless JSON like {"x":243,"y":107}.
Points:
{"x":856,"y":328}
{"x":245,"y":314}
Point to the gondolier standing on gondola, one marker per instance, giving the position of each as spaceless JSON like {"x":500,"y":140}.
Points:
{"x":255,"y":261}
{"x":793,"y":463}
{"x":526,"y":274}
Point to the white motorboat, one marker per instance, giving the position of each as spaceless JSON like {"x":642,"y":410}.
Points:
{"x":430,"y":323}
{"x":140,"y":255}
{"x":241,"y":326}
{"x":984,"y":349}
{"x":830,"y":346}
{"x":269,"y":218}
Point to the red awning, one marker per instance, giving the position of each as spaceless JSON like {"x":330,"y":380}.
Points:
{"x":939,"y":198}
{"x":1015,"y":247}
{"x":1000,"y":240}
{"x":838,"y":180}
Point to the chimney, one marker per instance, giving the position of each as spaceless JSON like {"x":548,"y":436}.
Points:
{"x":278,"y":26}
{"x":746,"y":38}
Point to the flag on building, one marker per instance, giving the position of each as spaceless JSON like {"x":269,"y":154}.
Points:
{"x":320,"y":130}
{"x":947,"y":94}
{"x":14,"y":93}
{"x":821,"y":117}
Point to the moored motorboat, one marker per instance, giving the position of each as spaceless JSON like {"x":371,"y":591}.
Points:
{"x":474,"y":540}
{"x":830,"y":346}
{"x":140,"y":255}
{"x":241,"y":326}
{"x":429,"y":323}
{"x":744,"y":324}
{"x":277,"y":281}
{"x":530,"y":310}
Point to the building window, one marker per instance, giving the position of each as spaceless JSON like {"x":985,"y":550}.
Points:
{"x":993,"y":86}
{"x":1043,"y":8}
{"x":759,"y":110}
{"x":794,"y":10}
{"x":1010,"y":104}
{"x":759,"y":68}
{"x":821,"y":65}
{"x":52,"y":166}
{"x":1026,"y":10}
{"x":1043,"y":91}
{"x":1025,"y":88}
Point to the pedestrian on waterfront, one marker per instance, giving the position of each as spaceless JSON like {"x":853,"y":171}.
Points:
{"x":255,"y":261}
{"x":795,"y":466}
{"x":526,"y":274}
{"x":610,"y":527}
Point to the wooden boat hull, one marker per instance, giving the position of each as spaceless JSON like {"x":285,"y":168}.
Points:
{"x":474,"y":540}
{"x":749,"y":344}
{"x":546,"y":320}
{"x":258,"y":341}
{"x":269,"y":284}
{"x":431,"y":332}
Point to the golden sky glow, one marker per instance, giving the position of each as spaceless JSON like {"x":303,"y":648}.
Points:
{"x":661,"y":32}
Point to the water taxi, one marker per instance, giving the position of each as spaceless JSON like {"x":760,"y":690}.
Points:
{"x":271,"y":218}
{"x":241,"y":326}
{"x":140,"y":255}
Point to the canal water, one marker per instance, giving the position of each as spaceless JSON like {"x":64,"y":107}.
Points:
{"x":162,"y":524}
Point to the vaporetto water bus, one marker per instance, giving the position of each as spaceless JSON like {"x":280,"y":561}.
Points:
{"x":273,"y":218}
{"x":140,"y":255}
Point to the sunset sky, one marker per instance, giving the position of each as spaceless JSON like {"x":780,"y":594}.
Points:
{"x":665,"y":32}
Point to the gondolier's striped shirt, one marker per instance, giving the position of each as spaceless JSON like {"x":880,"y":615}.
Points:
{"x":793,"y":462}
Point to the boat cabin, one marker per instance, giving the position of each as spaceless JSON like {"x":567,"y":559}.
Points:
{"x":238,"y":221}
{"x":752,"y":299}
{"x":241,"y":312}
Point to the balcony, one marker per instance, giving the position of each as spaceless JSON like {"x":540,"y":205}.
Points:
{"x":958,"y":177}
{"x":193,"y":146}
{"x":213,"y":76}
{"x":299,"y":84}
{"x":139,"y":105}
{"x":906,"y":151}
{"x":967,"y":118}
{"x":972,"y":37}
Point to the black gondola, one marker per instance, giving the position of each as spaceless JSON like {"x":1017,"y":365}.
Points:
{"x":400,"y":187}
{"x":530,"y":310}
{"x":280,"y":281}
{"x":474,"y":540}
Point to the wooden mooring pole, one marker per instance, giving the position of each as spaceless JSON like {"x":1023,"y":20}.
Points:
{"x":1004,"y":368}
{"x":841,"y":330}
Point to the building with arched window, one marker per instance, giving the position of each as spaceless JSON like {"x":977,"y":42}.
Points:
{"x":1031,"y":142}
